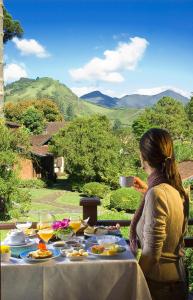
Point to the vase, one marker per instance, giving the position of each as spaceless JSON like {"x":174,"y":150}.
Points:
{"x":64,"y":236}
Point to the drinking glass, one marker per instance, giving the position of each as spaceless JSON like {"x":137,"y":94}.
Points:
{"x":45,"y":220}
{"x":45,"y":234}
{"x":75,"y":223}
{"x":23,"y":225}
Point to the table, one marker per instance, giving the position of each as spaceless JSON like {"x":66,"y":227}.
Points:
{"x":118,"y":278}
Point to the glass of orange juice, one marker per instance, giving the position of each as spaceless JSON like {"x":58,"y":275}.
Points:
{"x":75,"y":224}
{"x":46,"y":234}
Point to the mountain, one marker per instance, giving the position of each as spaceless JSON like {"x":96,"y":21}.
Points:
{"x":41,"y":88}
{"x":131,"y":101}
{"x":99,"y":98}
{"x":48,"y":88}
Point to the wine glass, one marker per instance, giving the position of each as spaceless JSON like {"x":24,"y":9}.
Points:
{"x":23,"y":225}
{"x":46,"y":234}
{"x":44,"y":226}
{"x":75,"y":224}
{"x":45,"y":220}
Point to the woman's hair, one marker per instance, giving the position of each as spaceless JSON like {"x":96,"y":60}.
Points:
{"x":156,"y":147}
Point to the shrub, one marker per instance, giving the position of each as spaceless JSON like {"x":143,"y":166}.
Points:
{"x":95,"y":189}
{"x":21,"y":203}
{"x":125,"y":199}
{"x":32,"y":183}
{"x":189,"y":265}
{"x":76,"y":186}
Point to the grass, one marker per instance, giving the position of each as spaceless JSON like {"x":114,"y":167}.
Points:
{"x":72,"y":198}
{"x":39,"y":193}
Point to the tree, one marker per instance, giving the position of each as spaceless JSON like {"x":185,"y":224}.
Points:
{"x":91,"y":151}
{"x":14,"y":111}
{"x":49,"y":109}
{"x":168,"y":114}
{"x":11,"y":28}
{"x":117,"y":125}
{"x":189,"y":109}
{"x":142,"y":123}
{"x":13,"y":201}
{"x":70,"y":112}
{"x":33,"y":119}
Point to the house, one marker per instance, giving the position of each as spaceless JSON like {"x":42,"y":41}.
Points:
{"x":186,"y":169}
{"x":41,"y":163}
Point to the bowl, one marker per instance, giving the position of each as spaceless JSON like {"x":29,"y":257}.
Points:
{"x":59,"y":244}
{"x":66,"y":250}
{"x":107,"y":241}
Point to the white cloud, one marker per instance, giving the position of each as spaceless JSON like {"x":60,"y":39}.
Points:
{"x":160,"y":89}
{"x":30,"y":47}
{"x":125,"y":57}
{"x":13,"y":72}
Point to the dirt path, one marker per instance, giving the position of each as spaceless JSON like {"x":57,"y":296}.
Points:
{"x":51,"y":200}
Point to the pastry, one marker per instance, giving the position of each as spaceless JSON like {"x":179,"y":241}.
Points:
{"x":40,"y":254}
{"x":97,"y":249}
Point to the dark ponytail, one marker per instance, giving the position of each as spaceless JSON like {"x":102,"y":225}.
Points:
{"x":156,"y":147}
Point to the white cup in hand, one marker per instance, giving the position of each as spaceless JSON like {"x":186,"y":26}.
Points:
{"x":126,"y":181}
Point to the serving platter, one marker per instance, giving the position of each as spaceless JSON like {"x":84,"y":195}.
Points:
{"x":24,"y":256}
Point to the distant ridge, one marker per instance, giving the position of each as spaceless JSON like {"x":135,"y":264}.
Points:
{"x":48,"y":88}
{"x":131,"y":101}
{"x":99,"y":98}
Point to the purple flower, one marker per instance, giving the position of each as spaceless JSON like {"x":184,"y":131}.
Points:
{"x":61,"y":224}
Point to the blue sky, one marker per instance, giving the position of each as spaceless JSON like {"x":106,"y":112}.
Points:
{"x":118,"y":47}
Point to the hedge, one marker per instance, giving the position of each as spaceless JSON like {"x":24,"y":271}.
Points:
{"x":127,"y":199}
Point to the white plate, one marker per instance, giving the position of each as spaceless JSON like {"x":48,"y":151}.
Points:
{"x":24,"y":256}
{"x":77,"y":258}
{"x":26,"y":244}
{"x":106,"y":256}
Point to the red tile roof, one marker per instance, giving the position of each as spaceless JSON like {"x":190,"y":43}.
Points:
{"x":54,"y":127}
{"x":40,"y":150}
{"x":40,"y":139}
{"x":12,"y":124}
{"x":51,"y":129}
{"x":186,"y":169}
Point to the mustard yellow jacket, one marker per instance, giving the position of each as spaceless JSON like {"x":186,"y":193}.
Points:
{"x":160,"y":232}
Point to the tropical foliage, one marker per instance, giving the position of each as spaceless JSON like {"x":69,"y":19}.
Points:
{"x":168,"y":114}
{"x":91,"y":151}
{"x":11,"y":28}
{"x":13,"y":201}
{"x":95,"y":189}
{"x":33,"y":114}
{"x":125,"y":199}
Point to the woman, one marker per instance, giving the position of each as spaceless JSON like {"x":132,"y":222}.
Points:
{"x":161,"y":220}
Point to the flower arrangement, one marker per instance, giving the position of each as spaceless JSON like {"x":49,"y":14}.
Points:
{"x":62,"y":228}
{"x":4,"y":249}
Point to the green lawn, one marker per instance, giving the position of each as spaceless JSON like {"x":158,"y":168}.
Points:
{"x":39,"y":193}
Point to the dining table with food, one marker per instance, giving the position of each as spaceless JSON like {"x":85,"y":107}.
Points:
{"x":69,"y":259}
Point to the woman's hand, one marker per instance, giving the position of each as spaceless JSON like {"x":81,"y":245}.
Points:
{"x":139,"y":185}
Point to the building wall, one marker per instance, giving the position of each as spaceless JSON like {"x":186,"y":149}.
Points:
{"x":26,"y":170}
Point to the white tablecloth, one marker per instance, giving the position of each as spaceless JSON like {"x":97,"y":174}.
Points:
{"x":60,"y":279}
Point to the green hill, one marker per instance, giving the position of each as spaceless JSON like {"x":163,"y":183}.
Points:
{"x":48,"y":88}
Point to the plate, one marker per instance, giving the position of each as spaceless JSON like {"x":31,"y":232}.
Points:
{"x":94,"y":239}
{"x":101,"y":231}
{"x":77,"y":258}
{"x":107,"y":256}
{"x":26,"y":244}
{"x":107,"y":239}
{"x":24,"y":256}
